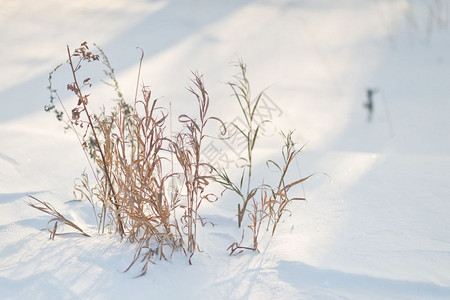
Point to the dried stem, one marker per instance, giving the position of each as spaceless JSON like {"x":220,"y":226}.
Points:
{"x":83,"y":101}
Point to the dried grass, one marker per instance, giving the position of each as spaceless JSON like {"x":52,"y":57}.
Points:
{"x":258,"y":202}
{"x":135,"y":160}
{"x":148,"y":184}
{"x":52,"y":225}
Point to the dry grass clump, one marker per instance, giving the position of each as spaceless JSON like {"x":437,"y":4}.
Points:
{"x":135,"y":162}
{"x":147,"y":184}
{"x":262,"y":202}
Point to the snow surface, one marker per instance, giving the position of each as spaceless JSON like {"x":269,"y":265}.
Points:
{"x":380,"y":230}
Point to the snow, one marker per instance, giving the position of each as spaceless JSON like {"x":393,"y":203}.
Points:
{"x":379,"y":230}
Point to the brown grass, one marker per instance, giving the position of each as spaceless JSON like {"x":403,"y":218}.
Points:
{"x":148,"y":184}
{"x":58,"y":218}
{"x":134,"y":161}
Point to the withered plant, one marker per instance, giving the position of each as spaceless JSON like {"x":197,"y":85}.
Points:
{"x":196,"y":173}
{"x":149,"y":184}
{"x":260,"y":202}
{"x":130,"y":155}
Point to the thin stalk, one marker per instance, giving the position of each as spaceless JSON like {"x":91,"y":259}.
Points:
{"x":105,"y":166}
